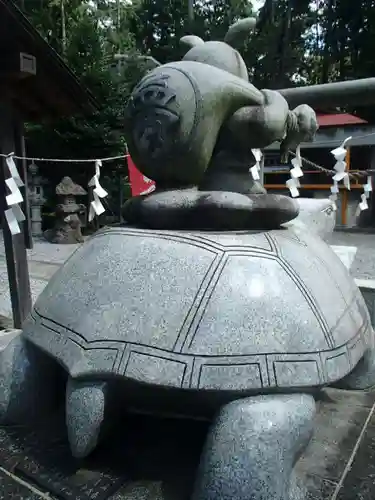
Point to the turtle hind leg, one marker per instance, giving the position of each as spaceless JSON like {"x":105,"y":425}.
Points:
{"x":29,"y":381}
{"x":362,"y":377}
{"x":87,"y":406}
{"x":252,"y":448}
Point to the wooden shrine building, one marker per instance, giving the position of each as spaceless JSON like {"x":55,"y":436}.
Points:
{"x":35,"y":85}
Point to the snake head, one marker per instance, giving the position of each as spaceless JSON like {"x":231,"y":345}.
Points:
{"x":301,"y":126}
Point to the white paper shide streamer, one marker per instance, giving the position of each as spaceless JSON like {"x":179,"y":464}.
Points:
{"x":14,"y":213}
{"x":367,"y":188}
{"x":340,"y":168}
{"x":96,"y":206}
{"x":295,"y":174}
{"x":255,"y":169}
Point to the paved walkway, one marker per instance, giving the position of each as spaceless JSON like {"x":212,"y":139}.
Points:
{"x":355,"y":250}
{"x":44,"y":260}
{"x":363,"y":261}
{"x":156,"y":459}
{"x":337,"y":465}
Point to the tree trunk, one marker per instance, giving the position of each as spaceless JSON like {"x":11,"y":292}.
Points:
{"x":284,"y":44}
{"x":327,"y":41}
{"x":118,"y":11}
{"x":63,"y":27}
{"x":190,"y":13}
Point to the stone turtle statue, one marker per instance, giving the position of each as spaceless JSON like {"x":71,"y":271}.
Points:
{"x":216,"y":300}
{"x":241,"y":328}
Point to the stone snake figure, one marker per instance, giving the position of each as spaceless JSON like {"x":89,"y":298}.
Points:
{"x":203,"y":111}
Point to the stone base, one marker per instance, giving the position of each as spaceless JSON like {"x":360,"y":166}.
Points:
{"x":64,"y":236}
{"x":156,"y":459}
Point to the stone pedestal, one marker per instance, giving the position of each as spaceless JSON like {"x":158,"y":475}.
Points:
{"x":36,"y":220}
{"x":37,"y":200}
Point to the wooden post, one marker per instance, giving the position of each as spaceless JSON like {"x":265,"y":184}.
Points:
{"x":15,"y":250}
{"x":345,"y":194}
{"x":22,"y":168}
{"x":120,"y":195}
{"x":372,"y":198}
{"x":261,"y":173}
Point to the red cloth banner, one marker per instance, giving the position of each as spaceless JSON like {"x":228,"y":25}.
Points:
{"x":140,"y":184}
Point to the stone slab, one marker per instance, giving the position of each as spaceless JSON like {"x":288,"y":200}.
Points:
{"x":43,"y":260}
{"x":360,"y":478}
{"x":340,"y":423}
{"x":42,"y":459}
{"x":346,"y":254}
{"x":37,"y":286}
{"x":367,"y":288}
{"x":156,"y":459}
{"x":13,"y":489}
{"x":363,"y":265}
{"x":46,"y":252}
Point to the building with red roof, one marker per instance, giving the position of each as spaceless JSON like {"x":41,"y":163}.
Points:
{"x":333,"y":129}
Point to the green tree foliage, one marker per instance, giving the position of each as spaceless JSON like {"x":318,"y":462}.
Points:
{"x":340,"y":43}
{"x":275,"y":55}
{"x":297,"y":42}
{"x":87,"y":35}
{"x":158,"y":25}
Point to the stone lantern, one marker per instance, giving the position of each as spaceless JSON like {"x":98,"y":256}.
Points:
{"x":37,"y":199}
{"x":67,"y":228}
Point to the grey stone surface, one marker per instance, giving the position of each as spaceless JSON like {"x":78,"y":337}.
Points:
{"x":211,"y":210}
{"x":190,"y":101}
{"x":67,"y":228}
{"x":361,"y":247}
{"x":367,"y":288}
{"x":217,"y":337}
{"x":85,"y":408}
{"x":302,"y":127}
{"x":7,"y":335}
{"x":69,"y":188}
{"x":156,"y":459}
{"x":28,"y":386}
{"x":194,"y":123}
{"x":37,"y":286}
{"x":45,"y":252}
{"x":363,"y":375}
{"x":43,"y":261}
{"x":140,"y":490}
{"x":315,"y":215}
{"x":252,"y":449}
{"x":345,"y":254}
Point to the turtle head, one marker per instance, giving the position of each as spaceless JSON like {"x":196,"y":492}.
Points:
{"x":319,"y":216}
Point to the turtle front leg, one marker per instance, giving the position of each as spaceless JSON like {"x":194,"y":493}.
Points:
{"x":252,"y":448}
{"x":88,"y":404}
{"x":28,"y":381}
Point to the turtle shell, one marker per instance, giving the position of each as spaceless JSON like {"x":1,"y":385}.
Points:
{"x":235,"y":311}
